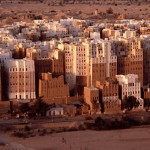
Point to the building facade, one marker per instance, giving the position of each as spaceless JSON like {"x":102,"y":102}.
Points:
{"x":130,"y":58}
{"x":130,"y":86}
{"x":109,"y":96}
{"x":91,"y":97}
{"x":52,"y":87}
{"x":21,"y":79}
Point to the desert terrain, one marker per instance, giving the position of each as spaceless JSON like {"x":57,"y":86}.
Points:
{"x":13,"y":12}
{"x":128,"y":139}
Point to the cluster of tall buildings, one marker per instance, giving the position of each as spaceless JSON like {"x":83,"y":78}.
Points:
{"x":62,"y":60}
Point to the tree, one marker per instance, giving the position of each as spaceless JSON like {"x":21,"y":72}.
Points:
{"x":130,"y":102}
{"x":40,"y":107}
{"x":109,"y":10}
{"x":24,"y":107}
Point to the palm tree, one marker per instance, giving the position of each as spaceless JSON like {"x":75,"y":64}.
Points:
{"x":40,"y":107}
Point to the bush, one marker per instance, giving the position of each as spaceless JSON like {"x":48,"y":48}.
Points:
{"x":109,"y":10}
{"x":43,"y":132}
{"x":72,"y":129}
{"x":88,"y":118}
{"x":99,"y":121}
{"x":20,"y":134}
{"x":27,"y":128}
{"x":8,"y":128}
{"x":107,"y":124}
{"x":2,"y":144}
{"x":130,"y":121}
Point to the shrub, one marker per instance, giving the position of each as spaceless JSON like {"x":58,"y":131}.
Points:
{"x":27,"y":128}
{"x":20,"y":134}
{"x":109,"y":10}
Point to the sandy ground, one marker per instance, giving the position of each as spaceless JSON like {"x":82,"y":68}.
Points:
{"x":129,"y":139}
{"x":75,"y":7}
{"x":132,"y":10}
